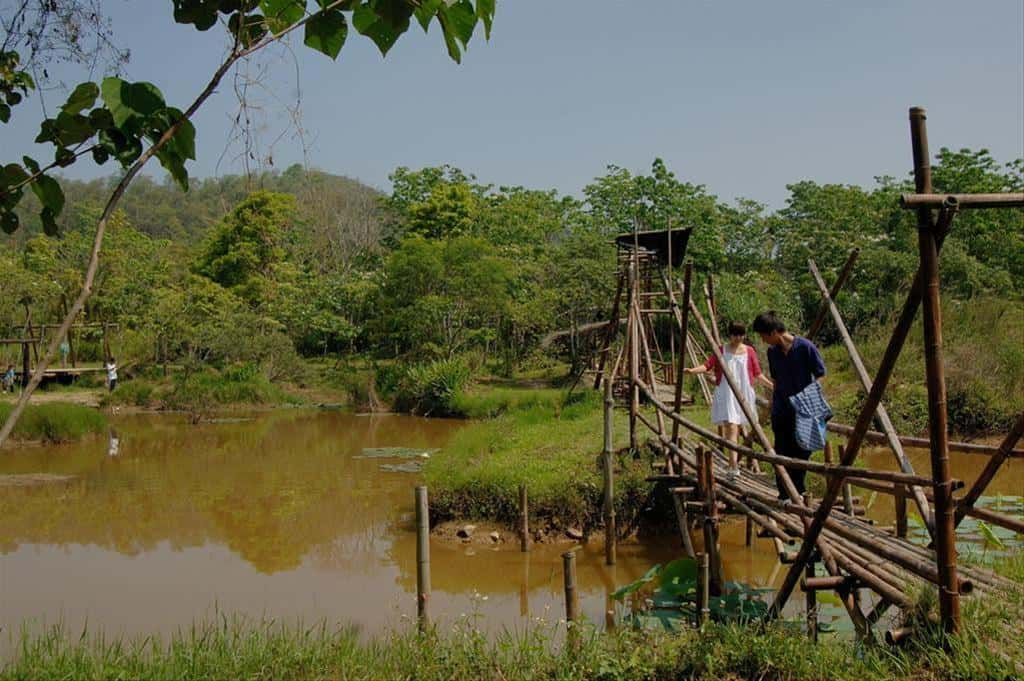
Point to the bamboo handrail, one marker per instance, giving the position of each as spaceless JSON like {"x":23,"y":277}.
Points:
{"x":831,"y":470}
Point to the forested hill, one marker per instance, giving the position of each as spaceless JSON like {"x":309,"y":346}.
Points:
{"x":160,"y":210}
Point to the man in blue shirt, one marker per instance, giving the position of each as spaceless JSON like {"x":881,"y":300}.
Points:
{"x":794,"y":362}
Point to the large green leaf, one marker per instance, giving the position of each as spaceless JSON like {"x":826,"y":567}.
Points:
{"x":281,"y":14}
{"x":81,"y":98}
{"x":383,"y":32}
{"x":678,"y":579}
{"x":49,"y":220}
{"x":461,"y":20}
{"x":485,"y":13}
{"x":49,"y":193}
{"x":249,"y":28}
{"x":9,"y":222}
{"x":635,"y":586}
{"x":426,"y":11}
{"x":128,"y":101}
{"x":200,"y":13}
{"x":71,"y":129}
{"x":326,"y":32}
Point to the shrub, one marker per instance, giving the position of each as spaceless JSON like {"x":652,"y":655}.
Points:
{"x":137,"y":392}
{"x":199,"y":391}
{"x":431,"y":389}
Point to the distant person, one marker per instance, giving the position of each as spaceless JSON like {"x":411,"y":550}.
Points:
{"x":111,"y":367}
{"x":8,"y":379}
{"x":65,"y":350}
{"x":744,"y":367}
{"x":794,"y":363}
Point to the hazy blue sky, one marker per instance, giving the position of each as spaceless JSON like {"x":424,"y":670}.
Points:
{"x":742,"y":97}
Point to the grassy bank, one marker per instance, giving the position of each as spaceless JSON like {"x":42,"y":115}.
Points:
{"x":55,"y":422}
{"x":989,"y":648}
{"x":552,"y":448}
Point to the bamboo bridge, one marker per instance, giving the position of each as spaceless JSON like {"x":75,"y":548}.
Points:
{"x":860,"y":558}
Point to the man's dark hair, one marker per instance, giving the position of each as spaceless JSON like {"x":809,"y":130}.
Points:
{"x":737,"y":329}
{"x":766,"y":322}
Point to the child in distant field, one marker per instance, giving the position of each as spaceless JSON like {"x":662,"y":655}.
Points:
{"x":744,"y":367}
{"x":8,"y":379}
{"x":111,"y":367}
{"x":65,"y":349}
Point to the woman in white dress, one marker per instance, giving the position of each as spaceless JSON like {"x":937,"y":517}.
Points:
{"x":743,"y":366}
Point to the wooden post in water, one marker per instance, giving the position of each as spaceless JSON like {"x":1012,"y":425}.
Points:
{"x":711,"y":525}
{"x":569,"y":576}
{"x":811,"y":594}
{"x":610,"y":537}
{"x":524,"y":521}
{"x":703,"y":591}
{"x":749,"y":532}
{"x":422,"y":556}
{"x":900,"y":500}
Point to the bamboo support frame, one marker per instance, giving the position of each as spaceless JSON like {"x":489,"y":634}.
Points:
{"x":865,"y":380}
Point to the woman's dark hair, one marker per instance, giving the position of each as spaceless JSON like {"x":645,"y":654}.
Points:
{"x":766,"y":322}
{"x":737,"y":329}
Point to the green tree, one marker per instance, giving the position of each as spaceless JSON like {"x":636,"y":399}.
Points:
{"x":131,"y":122}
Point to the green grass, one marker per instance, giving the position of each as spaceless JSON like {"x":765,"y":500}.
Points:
{"x":485,"y":401}
{"x":553,"y":449}
{"x":55,"y":422}
{"x":239,"y":648}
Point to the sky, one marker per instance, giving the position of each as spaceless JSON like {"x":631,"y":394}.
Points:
{"x":743,"y":97}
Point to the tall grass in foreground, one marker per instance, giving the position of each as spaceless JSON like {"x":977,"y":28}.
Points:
{"x":55,"y":422}
{"x":233,"y":648}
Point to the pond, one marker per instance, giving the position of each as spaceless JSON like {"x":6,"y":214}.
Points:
{"x":281,"y":515}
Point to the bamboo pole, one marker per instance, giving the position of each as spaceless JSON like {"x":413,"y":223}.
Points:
{"x":524,"y":520}
{"x":633,"y":359}
{"x":922,"y":442}
{"x":711,"y":547}
{"x":703,"y":589}
{"x":610,"y":331}
{"x":610,"y":536}
{"x":938,"y":430}
{"x":986,"y":475}
{"x":810,"y":596}
{"x":865,"y":380}
{"x":709,"y":300}
{"x":569,"y":578}
{"x":844,"y":275}
{"x":925,"y":200}
{"x":422,"y":557}
{"x":682,"y":318}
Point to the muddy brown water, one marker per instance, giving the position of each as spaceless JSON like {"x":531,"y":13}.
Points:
{"x":276,"y":516}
